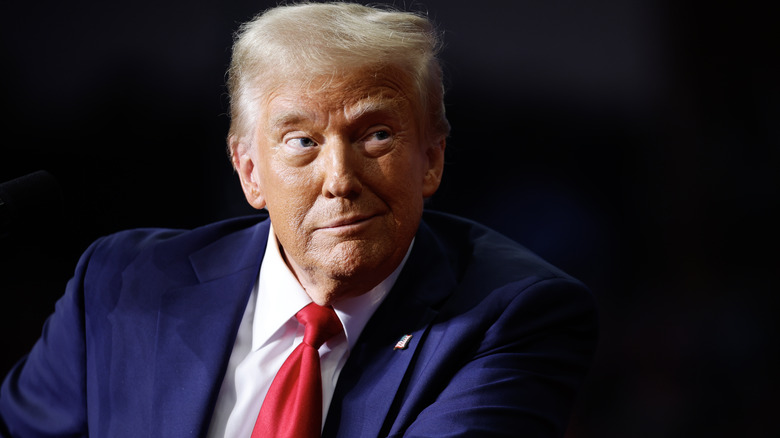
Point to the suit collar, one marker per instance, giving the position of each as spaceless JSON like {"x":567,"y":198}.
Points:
{"x":196,"y":329}
{"x":231,"y":253}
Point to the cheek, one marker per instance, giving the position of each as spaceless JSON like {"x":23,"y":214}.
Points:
{"x":403,"y":177}
{"x":291,"y":192}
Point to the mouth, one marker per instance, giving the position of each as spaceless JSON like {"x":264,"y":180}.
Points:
{"x":349,"y":223}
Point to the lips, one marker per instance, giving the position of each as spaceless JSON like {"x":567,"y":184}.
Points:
{"x":348,"y":221}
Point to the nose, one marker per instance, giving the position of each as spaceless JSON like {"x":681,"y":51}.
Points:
{"x":342,"y":168}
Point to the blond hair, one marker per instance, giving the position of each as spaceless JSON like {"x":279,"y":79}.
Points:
{"x":328,"y":39}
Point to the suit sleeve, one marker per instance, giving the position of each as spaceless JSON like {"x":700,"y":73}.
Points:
{"x":523,"y":377}
{"x":44,"y":394}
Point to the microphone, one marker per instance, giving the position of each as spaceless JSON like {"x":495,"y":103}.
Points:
{"x":28,"y":201}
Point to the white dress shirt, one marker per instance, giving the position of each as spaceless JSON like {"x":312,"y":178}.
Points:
{"x":268,"y":334}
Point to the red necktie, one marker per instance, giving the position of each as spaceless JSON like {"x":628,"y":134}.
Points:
{"x":293,"y":406}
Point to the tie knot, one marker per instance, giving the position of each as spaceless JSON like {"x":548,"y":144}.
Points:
{"x":321,"y":324}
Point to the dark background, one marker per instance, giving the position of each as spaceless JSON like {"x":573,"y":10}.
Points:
{"x":633,"y":143}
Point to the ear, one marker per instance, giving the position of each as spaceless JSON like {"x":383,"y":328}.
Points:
{"x":244,"y":158}
{"x":433,"y":174}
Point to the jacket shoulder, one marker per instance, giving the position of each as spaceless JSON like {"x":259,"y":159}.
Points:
{"x":124,"y":247}
{"x":159,"y":256}
{"x":473,"y":248}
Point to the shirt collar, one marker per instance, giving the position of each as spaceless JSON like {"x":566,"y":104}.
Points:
{"x":281,"y":296}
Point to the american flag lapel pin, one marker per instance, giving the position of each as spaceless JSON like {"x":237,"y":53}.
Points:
{"x":403,"y":342}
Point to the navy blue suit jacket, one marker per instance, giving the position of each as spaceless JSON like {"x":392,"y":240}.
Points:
{"x":139,"y":343}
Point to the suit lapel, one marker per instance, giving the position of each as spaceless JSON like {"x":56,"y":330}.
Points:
{"x":196,"y":329}
{"x":369,"y":383}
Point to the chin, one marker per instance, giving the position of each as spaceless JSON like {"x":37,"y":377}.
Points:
{"x":356,"y":258}
{"x":354,"y":272}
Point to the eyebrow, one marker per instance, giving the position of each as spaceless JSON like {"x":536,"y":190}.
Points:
{"x":366,"y":106}
{"x":373,"y":105}
{"x":288,"y":118}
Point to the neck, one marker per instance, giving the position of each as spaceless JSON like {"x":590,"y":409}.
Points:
{"x":326,"y":290}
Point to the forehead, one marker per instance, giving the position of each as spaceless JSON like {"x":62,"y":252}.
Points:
{"x":353,"y":95}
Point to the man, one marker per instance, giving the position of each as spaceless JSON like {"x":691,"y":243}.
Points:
{"x":444,"y":328}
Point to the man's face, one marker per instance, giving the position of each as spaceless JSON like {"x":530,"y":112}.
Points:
{"x":342,"y":167}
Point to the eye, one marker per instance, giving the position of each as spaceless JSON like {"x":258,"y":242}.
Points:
{"x":379,"y":137}
{"x":301,"y":142}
